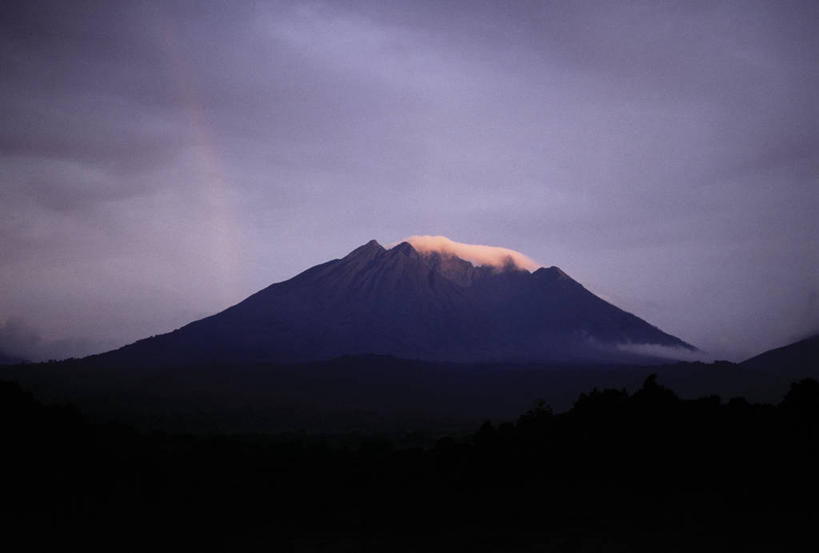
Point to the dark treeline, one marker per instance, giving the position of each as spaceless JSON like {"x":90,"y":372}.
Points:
{"x":618,"y":472}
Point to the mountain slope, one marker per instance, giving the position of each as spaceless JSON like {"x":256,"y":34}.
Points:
{"x":401,"y":302}
{"x":799,"y":359}
{"x":6,"y":359}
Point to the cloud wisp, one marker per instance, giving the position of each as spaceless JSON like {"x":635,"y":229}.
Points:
{"x":666,"y":352}
{"x":477,"y":254}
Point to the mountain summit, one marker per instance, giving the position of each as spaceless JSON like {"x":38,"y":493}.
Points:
{"x":423,"y":298}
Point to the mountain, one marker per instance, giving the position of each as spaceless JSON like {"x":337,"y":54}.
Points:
{"x":429,"y":304}
{"x":6,"y":359}
{"x":797,"y":360}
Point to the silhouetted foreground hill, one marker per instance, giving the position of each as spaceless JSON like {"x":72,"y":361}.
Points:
{"x":362,"y":393}
{"x":411,"y":305}
{"x":618,"y":472}
{"x":365,"y":393}
{"x":354,"y":394}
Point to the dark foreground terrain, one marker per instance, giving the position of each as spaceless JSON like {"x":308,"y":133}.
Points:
{"x":644,"y":471}
{"x":375,"y":394}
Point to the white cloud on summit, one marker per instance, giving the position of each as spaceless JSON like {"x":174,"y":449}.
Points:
{"x":474,"y":253}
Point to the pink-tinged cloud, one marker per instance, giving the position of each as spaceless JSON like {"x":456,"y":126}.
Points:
{"x":474,"y":253}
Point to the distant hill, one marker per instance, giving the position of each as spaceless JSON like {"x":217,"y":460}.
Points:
{"x":797,"y":360}
{"x":6,"y":359}
{"x":429,"y":305}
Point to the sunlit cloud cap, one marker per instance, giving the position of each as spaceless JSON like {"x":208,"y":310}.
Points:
{"x":477,"y":254}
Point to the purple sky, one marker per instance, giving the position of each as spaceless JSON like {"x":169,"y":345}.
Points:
{"x":160,"y":161}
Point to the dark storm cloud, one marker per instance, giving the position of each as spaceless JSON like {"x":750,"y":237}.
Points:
{"x":159,"y":160}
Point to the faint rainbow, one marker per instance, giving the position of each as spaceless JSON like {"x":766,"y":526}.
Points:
{"x":213,"y":185}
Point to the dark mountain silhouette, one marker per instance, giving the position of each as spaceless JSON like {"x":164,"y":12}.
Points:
{"x":6,"y":359}
{"x":404,"y":303}
{"x":797,"y":360}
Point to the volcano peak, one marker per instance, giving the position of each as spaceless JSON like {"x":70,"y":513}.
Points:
{"x":423,"y":298}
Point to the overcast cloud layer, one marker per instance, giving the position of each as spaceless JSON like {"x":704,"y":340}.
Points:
{"x":160,"y":161}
